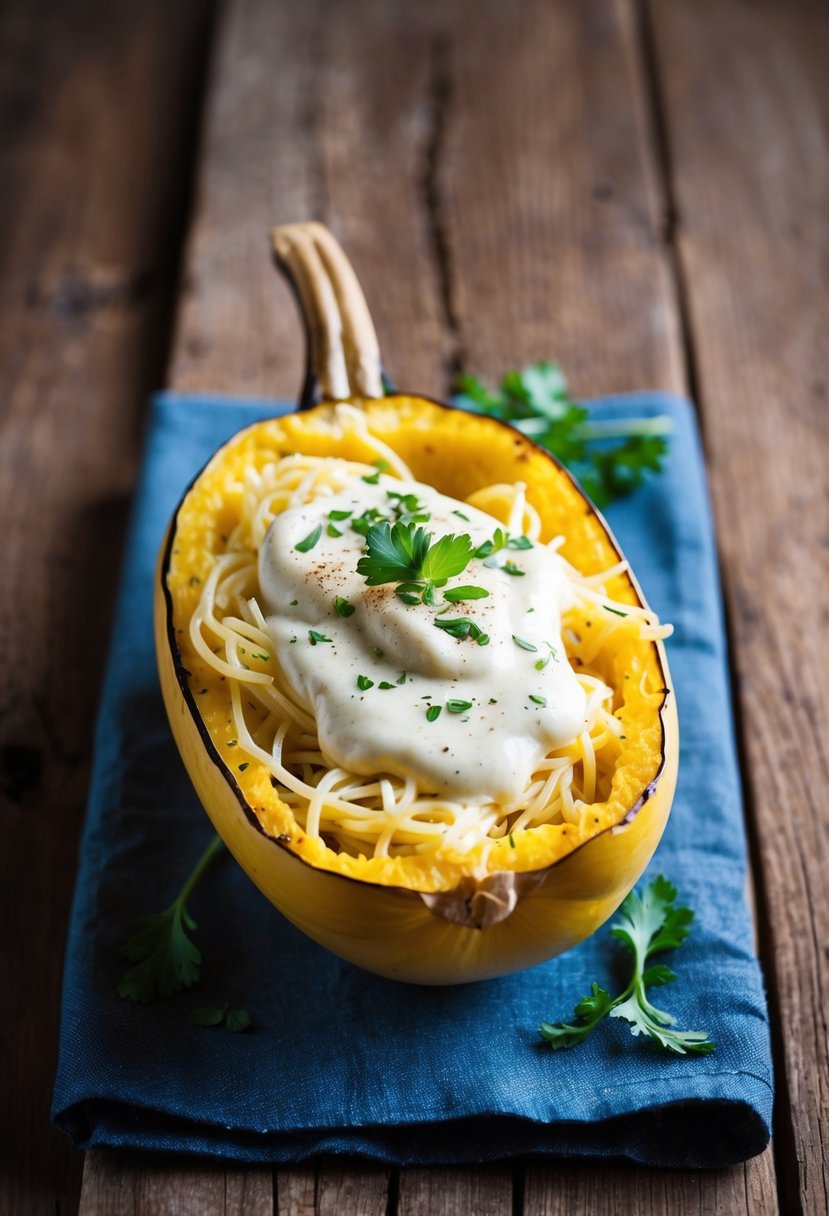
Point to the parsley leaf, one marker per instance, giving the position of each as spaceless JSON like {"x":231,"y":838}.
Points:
{"x":404,"y":553}
{"x":167,"y":959}
{"x":610,"y":458}
{"x":462,"y":627}
{"x":456,"y":594}
{"x":315,"y":637}
{"x":647,"y":925}
{"x":343,"y":607}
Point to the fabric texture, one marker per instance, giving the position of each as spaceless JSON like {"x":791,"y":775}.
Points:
{"x":340,"y":1061}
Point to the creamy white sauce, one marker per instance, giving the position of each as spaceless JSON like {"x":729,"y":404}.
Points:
{"x":486,"y":753}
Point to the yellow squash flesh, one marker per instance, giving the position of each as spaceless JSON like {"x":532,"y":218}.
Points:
{"x":425,"y":919}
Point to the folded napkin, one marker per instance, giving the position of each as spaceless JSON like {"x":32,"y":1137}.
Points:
{"x":340,"y":1061}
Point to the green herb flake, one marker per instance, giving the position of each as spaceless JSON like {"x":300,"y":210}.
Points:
{"x":519,"y":542}
{"x":243,"y":766}
{"x":385,"y":685}
{"x":538,"y":700}
{"x":458,"y":707}
{"x":515,"y":571}
{"x":433,"y":713}
{"x":314,"y":637}
{"x":493,"y":701}
{"x":615,"y":611}
{"x":209,"y":1016}
{"x":306,"y":545}
{"x":381,"y":464}
{"x":343,"y":607}
{"x":511,"y":841}
{"x":372,"y":479}
{"x":461,"y":515}
{"x":364,"y":683}
{"x":260,"y":654}
{"x":237,"y":1020}
{"x":339,"y":516}
{"x":456,"y":594}
{"x":294,"y":603}
{"x":462,"y":627}
{"x":332,"y":531}
{"x":401,"y":679}
{"x":523,"y":643}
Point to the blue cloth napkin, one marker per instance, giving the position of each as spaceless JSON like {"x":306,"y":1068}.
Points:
{"x":340,"y":1061}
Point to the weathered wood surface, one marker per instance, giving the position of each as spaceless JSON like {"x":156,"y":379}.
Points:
{"x":97,"y":106}
{"x":508,"y":190}
{"x":746,"y":102}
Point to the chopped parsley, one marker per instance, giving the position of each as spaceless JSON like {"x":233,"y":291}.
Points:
{"x":372,"y":479}
{"x":385,"y":685}
{"x":458,"y":707}
{"x":523,"y":643}
{"x":433,"y":713}
{"x":343,"y":607}
{"x":538,"y":700}
{"x":315,"y":638}
{"x":306,"y":545}
{"x":364,"y":683}
{"x":339,"y":516}
{"x":456,"y":594}
{"x":331,"y":530}
{"x":462,"y":627}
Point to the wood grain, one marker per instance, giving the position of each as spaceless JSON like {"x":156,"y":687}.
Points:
{"x":96,"y":113}
{"x":747,"y":111}
{"x":565,"y":256}
{"x":484,"y":1190}
{"x":330,"y":1190}
{"x":127,"y":1184}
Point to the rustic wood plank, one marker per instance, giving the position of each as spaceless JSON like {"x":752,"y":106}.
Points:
{"x":97,"y":110}
{"x":329,"y":1190}
{"x":484,"y":1190}
{"x":605,"y":1190}
{"x":550,"y":199}
{"x":124,"y":1184}
{"x":321,"y":137}
{"x":747,"y":110}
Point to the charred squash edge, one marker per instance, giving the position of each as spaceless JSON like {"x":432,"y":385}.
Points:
{"x":182,"y":673}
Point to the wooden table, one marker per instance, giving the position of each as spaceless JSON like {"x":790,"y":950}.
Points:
{"x":640,"y":190}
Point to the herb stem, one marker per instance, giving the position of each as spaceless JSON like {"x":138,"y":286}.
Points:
{"x":202,"y":865}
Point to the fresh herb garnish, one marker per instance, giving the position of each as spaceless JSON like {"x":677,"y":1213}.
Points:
{"x":364,"y":683}
{"x":462,"y":627}
{"x":385,"y":685}
{"x":339,"y":516}
{"x":234,"y":1019}
{"x":167,"y":959}
{"x":372,"y":479}
{"x":455,"y":594}
{"x":615,"y":611}
{"x":611,"y":459}
{"x":458,"y":707}
{"x":331,"y":530}
{"x":538,"y":700}
{"x":306,"y":545}
{"x":343,"y":607}
{"x":315,"y":638}
{"x":552,"y":653}
{"x":404,"y":553}
{"x":433,"y":712}
{"x":401,"y":679}
{"x":648,"y":924}
{"x":511,"y":568}
{"x":523,"y":643}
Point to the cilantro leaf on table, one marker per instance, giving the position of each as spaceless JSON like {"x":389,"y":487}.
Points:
{"x":647,"y":925}
{"x":166,"y":958}
{"x":611,"y":458}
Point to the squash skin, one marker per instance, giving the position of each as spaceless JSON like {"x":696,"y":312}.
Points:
{"x":391,"y":930}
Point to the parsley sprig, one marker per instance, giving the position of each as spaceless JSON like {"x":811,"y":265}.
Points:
{"x":647,"y":924}
{"x":166,"y":958}
{"x":610,"y":459}
{"x":406,"y":553}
